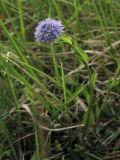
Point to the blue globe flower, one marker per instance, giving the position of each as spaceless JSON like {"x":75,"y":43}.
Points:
{"x":48,"y":30}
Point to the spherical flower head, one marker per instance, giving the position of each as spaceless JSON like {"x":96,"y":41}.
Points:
{"x":48,"y":30}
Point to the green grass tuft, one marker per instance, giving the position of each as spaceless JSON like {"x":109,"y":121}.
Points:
{"x":60,"y":101}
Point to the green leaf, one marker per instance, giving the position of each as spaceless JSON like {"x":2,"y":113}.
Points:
{"x":66,"y":39}
{"x":34,"y":157}
{"x":108,"y":1}
{"x":93,"y":78}
{"x":91,"y":118}
{"x":83,"y":56}
{"x":97,"y":110}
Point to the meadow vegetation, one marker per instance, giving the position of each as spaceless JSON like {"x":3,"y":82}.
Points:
{"x":53,"y":106}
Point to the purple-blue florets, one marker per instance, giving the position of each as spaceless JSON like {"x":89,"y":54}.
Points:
{"x":48,"y":30}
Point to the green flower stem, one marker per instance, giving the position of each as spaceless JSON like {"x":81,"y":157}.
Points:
{"x":84,"y":59}
{"x":55,"y":63}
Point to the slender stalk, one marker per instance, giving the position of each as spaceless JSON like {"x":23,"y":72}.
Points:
{"x":76,"y":8}
{"x":91,"y":97}
{"x":64,"y":87}
{"x":55,"y":63}
{"x":20,"y":9}
{"x":84,"y":59}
